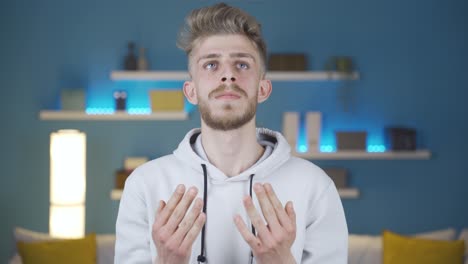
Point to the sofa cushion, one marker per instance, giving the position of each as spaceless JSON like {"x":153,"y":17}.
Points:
{"x":105,"y":244}
{"x":464,"y":236}
{"x":398,"y":249}
{"x":72,"y":251}
{"x":368,"y":249}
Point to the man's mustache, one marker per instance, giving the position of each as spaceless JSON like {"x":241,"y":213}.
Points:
{"x":223,"y":88}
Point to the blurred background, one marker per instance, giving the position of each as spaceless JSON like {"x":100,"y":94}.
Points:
{"x":411,"y":57}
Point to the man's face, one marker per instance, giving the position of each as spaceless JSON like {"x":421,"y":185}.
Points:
{"x":226,"y":78}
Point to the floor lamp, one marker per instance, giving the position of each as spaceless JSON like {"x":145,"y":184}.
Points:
{"x":67,"y":184}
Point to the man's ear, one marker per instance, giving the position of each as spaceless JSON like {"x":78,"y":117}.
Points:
{"x":264,"y":90}
{"x":190,"y":92}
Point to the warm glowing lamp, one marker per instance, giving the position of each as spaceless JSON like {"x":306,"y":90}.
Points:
{"x":67,"y":184}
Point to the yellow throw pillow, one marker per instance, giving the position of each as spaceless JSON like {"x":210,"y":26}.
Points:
{"x":70,"y":251}
{"x":398,"y":249}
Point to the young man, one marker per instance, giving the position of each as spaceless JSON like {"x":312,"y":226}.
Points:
{"x":231,"y":192}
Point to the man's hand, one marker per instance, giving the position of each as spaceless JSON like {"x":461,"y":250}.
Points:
{"x":174,"y":230}
{"x":274,"y":240}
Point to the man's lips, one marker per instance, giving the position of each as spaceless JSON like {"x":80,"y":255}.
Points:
{"x":227,"y":96}
{"x":227,"y":92}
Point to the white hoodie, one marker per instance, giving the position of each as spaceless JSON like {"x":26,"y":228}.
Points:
{"x":322,"y":234}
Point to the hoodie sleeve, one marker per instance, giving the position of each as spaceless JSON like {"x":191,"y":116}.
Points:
{"x":326,"y":231}
{"x":132,"y":231}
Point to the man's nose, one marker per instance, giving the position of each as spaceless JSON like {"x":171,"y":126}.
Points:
{"x":232,"y":78}
{"x":228,"y":74}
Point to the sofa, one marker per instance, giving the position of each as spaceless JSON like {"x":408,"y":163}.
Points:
{"x":363,"y":249}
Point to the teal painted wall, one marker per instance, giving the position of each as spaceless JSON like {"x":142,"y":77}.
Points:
{"x":412,"y":57}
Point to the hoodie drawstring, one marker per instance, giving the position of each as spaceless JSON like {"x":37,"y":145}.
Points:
{"x":253,"y":228}
{"x":201,"y":257}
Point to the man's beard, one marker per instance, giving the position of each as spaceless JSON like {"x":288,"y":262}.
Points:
{"x":229,"y":121}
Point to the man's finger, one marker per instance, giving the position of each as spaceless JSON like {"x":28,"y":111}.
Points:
{"x":252,"y":240}
{"x":262,"y":230}
{"x":283,"y":218}
{"x":181,"y":209}
{"x":161,"y":206}
{"x":193,"y":232}
{"x":267,"y":208}
{"x":188,"y":221}
{"x":291,"y":213}
{"x":166,"y":212}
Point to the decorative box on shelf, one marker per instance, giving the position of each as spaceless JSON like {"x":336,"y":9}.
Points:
{"x":166,"y":100}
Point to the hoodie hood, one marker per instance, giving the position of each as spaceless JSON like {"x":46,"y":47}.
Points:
{"x":280,"y":154}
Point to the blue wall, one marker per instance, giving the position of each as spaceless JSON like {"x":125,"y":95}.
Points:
{"x":412,"y":56}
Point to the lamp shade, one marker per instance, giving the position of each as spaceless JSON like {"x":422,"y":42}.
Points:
{"x":67,"y":221}
{"x":67,"y":183}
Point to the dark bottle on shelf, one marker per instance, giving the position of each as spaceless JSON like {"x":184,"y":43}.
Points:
{"x":130,"y":63}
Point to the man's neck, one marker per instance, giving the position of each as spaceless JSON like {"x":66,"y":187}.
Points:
{"x":232,"y":151}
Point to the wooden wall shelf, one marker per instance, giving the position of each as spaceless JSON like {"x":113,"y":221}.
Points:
{"x":274,"y":76}
{"x":78,"y":115}
{"x":360,"y":155}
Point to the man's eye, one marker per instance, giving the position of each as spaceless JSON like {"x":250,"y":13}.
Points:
{"x":210,"y":65}
{"x":243,"y":66}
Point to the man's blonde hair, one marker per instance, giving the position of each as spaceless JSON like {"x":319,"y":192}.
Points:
{"x":217,"y":20}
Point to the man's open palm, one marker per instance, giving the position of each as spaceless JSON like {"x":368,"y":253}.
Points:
{"x":175,"y":230}
{"x":274,"y":240}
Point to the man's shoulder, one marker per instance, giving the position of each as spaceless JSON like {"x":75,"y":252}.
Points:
{"x":306,"y":171}
{"x":153,"y":168}
{"x":158,"y":162}
{"x":303,"y":165}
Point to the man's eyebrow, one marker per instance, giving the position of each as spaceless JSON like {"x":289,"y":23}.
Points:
{"x":242,"y":55}
{"x":232,"y":55}
{"x":209,"y":56}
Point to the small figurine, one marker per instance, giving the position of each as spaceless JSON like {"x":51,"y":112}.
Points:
{"x":120,"y":98}
{"x":130,"y":60}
